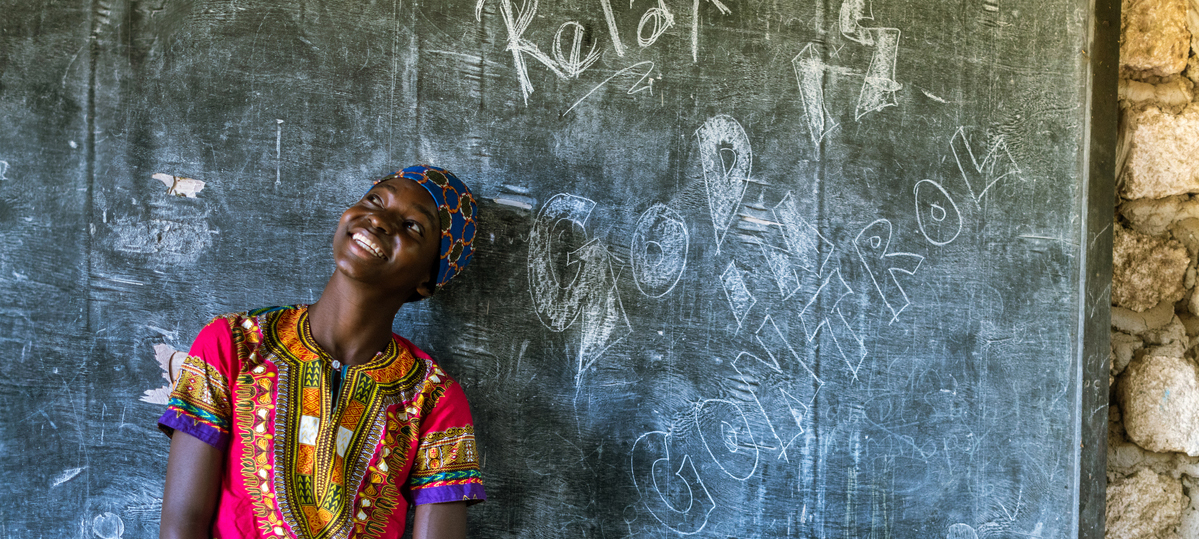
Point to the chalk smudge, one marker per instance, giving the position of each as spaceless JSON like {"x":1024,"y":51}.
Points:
{"x":67,"y":475}
{"x":168,"y":242}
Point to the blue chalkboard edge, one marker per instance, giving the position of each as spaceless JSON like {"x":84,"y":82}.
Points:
{"x":1101,"y":58}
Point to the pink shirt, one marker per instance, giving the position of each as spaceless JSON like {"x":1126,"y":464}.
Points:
{"x":257,"y":386}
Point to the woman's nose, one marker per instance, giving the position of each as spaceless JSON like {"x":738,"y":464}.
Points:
{"x":379,"y":222}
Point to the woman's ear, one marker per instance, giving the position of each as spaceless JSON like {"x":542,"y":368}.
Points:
{"x":422,"y":292}
{"x":426,"y":289}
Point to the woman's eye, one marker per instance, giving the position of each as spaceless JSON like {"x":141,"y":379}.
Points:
{"x":415,"y":226}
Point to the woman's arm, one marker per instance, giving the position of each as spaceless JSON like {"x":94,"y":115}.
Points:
{"x":440,"y":521}
{"x":193,"y":482}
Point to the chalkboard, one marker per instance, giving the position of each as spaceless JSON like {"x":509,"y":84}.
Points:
{"x":747,"y":268}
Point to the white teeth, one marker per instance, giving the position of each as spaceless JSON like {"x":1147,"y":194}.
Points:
{"x":367,"y":244}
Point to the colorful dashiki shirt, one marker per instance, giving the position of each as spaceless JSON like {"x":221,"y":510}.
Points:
{"x":257,"y":386}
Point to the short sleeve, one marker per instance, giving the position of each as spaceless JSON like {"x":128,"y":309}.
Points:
{"x":201,"y":403}
{"x":446,"y":467}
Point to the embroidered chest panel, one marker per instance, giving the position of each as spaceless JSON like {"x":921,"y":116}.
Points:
{"x":320,"y":451}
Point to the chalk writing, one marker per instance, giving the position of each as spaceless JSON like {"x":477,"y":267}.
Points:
{"x":646,"y":82}
{"x":937,"y":215}
{"x":780,"y":351}
{"x":675,"y":495}
{"x":980,"y":176}
{"x":604,"y":320}
{"x":554,"y":300}
{"x":780,"y":266}
{"x":879,"y":88}
{"x":659,"y":20}
{"x":613,"y":31}
{"x":108,"y":526}
{"x":66,"y":475}
{"x":737,"y":292}
{"x":728,"y":438}
{"x":591,"y":292}
{"x":574,"y":62}
{"x":724,"y":10}
{"x":517,"y":23}
{"x":659,"y":251}
{"x":809,"y":75}
{"x":961,"y":531}
{"x":849,"y":344}
{"x":568,"y":61}
{"x":726,"y":158}
{"x":804,"y":242}
{"x":783,"y":405}
{"x":873,"y":247}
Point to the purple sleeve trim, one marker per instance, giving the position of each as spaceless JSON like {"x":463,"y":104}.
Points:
{"x":471,"y":493}
{"x":175,"y":420}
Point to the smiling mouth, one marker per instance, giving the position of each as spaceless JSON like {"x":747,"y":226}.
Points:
{"x":366,"y":243}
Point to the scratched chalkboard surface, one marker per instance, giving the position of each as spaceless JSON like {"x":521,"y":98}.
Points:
{"x":747,"y":268}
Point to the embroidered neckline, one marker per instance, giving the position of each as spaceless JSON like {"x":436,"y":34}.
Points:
{"x":304,"y":330}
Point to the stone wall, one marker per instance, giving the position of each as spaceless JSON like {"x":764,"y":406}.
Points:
{"x":1153,"y":440}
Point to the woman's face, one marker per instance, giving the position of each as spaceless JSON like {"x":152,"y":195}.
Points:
{"x":390,"y":239}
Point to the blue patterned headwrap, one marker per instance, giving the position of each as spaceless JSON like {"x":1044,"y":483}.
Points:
{"x":457,"y":211}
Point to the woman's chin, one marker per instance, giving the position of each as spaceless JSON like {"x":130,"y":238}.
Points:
{"x":356,"y":270}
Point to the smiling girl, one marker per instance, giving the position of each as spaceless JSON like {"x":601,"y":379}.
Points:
{"x":319,"y":422}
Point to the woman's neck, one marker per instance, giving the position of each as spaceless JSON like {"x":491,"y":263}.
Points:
{"x":350,"y":324}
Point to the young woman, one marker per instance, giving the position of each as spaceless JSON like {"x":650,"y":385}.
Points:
{"x":317,"y":421}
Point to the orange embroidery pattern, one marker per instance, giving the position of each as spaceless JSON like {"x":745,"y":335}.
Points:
{"x":255,"y":402}
{"x":445,"y":458}
{"x":380,"y":495}
{"x":323,"y":449}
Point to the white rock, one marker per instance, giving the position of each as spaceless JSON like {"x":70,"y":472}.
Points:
{"x":1159,"y":402}
{"x":1163,"y":153}
{"x":1145,"y":505}
{"x":1146,"y":270}
{"x":1154,"y":37}
{"x":1189,"y":525}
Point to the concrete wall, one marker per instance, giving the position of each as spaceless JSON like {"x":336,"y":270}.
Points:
{"x":1153,"y":443}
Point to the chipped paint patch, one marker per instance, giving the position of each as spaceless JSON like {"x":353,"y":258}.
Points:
{"x":171,"y":361}
{"x":180,"y":186}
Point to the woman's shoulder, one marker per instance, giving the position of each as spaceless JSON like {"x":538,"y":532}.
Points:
{"x":411,"y":348}
{"x":432,"y":378}
{"x":246,"y":320}
{"x":262,"y":311}
{"x":430,"y":371}
{"x":240,"y":329}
